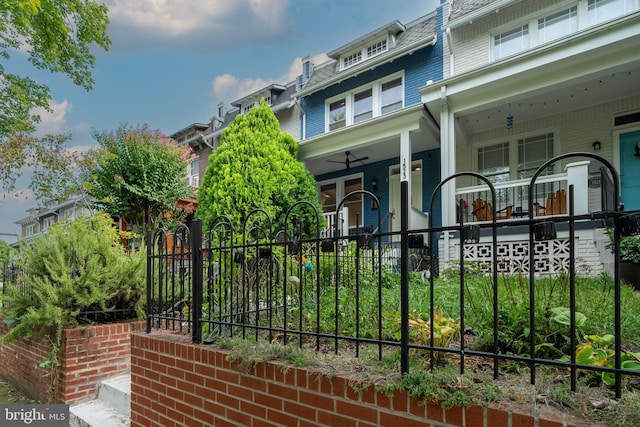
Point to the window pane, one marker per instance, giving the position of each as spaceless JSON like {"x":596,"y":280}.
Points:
{"x":604,"y":10}
{"x":377,"y":48}
{"x":533,"y":152}
{"x":362,"y":106}
{"x":354,"y":203}
{"x":558,"y":25}
{"x":352,"y":59}
{"x":493,"y":162}
{"x":328,"y":197}
{"x":391,"y":96}
{"x":511,"y":42}
{"x":337,"y":111}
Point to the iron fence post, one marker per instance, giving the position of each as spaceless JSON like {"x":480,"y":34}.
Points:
{"x":149,"y":278}
{"x":404,"y":276}
{"x":197,"y":278}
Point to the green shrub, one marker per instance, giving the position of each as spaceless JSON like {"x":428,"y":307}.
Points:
{"x":56,"y":286}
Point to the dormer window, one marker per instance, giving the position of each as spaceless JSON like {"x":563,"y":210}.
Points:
{"x":366,"y":52}
{"x":352,"y":59}
{"x":246,"y":108}
{"x":377,"y":48}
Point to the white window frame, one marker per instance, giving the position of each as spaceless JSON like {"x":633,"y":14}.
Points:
{"x":366,"y":52}
{"x":193,"y":180}
{"x":513,"y":149}
{"x":349,"y":97}
{"x":340,"y":192}
{"x":584,"y":20}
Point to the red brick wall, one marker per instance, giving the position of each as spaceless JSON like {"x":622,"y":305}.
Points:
{"x":174,"y":382}
{"x":88,"y":355}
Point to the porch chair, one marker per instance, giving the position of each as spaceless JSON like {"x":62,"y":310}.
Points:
{"x":483,"y":211}
{"x":556,"y":204}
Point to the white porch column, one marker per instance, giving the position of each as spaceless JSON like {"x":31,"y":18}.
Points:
{"x":578,"y":176}
{"x":447,"y":168}
{"x":405,"y":163}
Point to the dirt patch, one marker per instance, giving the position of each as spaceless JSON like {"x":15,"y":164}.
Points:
{"x":9,"y":394}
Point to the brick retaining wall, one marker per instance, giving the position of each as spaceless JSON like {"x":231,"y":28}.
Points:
{"x":175,"y":382}
{"x":88,"y":355}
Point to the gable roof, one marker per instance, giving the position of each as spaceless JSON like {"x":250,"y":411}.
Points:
{"x":420,"y":33}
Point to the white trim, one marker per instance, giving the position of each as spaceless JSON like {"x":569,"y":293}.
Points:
{"x":376,"y":87}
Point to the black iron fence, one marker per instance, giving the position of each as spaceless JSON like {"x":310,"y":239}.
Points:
{"x":367,"y":289}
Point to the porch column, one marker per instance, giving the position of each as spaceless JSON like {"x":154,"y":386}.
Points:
{"x":405,"y":163}
{"x":447,"y":167}
{"x":578,"y":176}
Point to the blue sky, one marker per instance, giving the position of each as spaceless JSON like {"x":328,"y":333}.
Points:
{"x":173,"y":61}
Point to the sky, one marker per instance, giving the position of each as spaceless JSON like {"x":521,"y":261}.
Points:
{"x":173,"y":61}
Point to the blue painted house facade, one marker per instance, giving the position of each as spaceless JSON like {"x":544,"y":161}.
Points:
{"x":362,"y":113}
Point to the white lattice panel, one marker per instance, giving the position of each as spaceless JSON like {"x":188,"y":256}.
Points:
{"x":550,"y":257}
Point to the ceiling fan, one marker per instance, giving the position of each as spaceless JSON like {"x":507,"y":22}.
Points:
{"x":349,"y":159}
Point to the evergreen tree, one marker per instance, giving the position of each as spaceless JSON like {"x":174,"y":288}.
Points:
{"x":256,"y":167}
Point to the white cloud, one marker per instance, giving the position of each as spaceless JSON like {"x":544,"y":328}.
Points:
{"x":228,"y":88}
{"x":212,"y":25}
{"x":54,"y":121}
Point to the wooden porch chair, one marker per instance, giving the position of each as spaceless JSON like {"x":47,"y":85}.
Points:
{"x":483,"y":211}
{"x":556,"y":204}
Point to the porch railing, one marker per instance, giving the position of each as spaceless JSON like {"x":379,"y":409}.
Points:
{"x":512,"y":200}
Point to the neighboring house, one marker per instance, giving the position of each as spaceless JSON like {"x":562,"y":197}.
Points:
{"x":40,"y":218}
{"x":362,"y":113}
{"x":525,"y":81}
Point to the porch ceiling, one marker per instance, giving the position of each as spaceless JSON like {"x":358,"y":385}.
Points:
{"x":378,"y":139}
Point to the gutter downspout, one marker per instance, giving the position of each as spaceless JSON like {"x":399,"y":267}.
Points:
{"x":452,"y":71}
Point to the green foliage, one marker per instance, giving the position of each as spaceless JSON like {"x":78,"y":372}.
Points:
{"x":629,"y":247}
{"x":138,"y":175}
{"x":5,"y":252}
{"x":54,"y":289}
{"x":444,"y":330}
{"x":598,"y":351}
{"x":55,"y":35}
{"x":256,"y":167}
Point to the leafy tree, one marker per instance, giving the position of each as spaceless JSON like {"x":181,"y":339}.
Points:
{"x":56,"y":35}
{"x":137,"y":175}
{"x":256,"y":166}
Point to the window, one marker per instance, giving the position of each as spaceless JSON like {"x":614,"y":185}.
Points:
{"x":48,"y":222}
{"x":511,"y":42}
{"x":558,"y":25}
{"x":352,"y":59}
{"x":246,"y":108}
{"x":193,"y":172}
{"x":30,"y":230}
{"x":603,"y":10}
{"x":516,"y":159}
{"x":493,"y":162}
{"x":362,"y":106}
{"x":532,"y":153}
{"x":366,"y":52}
{"x":376,"y":48}
{"x":337,"y":114}
{"x":332,"y":193}
{"x":380,"y":97}
{"x":391,"y":96}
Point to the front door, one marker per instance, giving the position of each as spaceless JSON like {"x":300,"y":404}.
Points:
{"x":630,"y":170}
